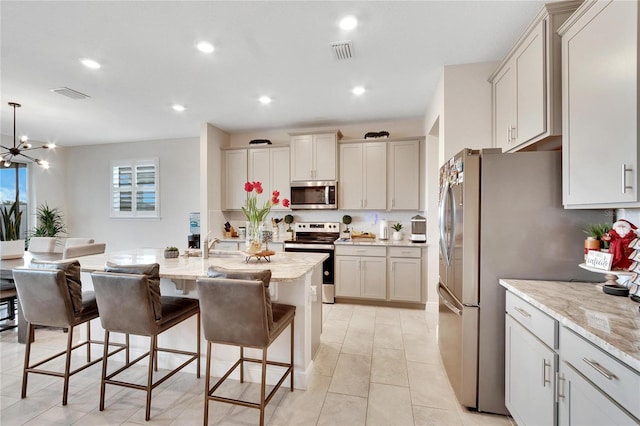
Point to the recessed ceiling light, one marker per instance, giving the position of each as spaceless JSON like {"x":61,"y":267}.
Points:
{"x":178,"y":108}
{"x":265,"y":100}
{"x":205,"y":47}
{"x":90,"y":63}
{"x":358,"y":90}
{"x":348,"y":23}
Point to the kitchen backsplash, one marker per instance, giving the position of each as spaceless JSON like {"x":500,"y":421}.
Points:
{"x":632,"y":215}
{"x":365,"y":221}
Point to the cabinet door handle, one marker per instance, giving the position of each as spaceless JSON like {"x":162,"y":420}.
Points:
{"x":522,"y":312}
{"x":546,"y":365}
{"x":626,"y":168}
{"x":508,"y":134}
{"x":600,"y":369}
{"x":393,"y":202}
{"x":559,"y":387}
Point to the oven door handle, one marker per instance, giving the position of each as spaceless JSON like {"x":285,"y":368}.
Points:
{"x":309,"y":247}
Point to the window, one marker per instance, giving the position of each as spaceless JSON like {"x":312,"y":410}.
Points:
{"x":134,"y":188}
{"x":9,"y":176}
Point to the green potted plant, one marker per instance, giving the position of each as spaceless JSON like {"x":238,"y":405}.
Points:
{"x":288,"y":219}
{"x":597,"y":230}
{"x":397,"y":231}
{"x":346,"y":219}
{"x":10,"y":242}
{"x":171,"y":252}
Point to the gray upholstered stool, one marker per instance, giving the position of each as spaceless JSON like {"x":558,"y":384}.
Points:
{"x":45,"y":299}
{"x":126,"y":306}
{"x":234,"y":312}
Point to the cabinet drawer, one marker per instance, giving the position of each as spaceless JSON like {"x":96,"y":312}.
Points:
{"x":226,"y":245}
{"x":542,"y":325}
{"x":616,"y":379}
{"x":404,"y":252}
{"x":360,"y":251}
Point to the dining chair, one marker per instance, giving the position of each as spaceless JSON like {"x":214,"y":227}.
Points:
{"x":50,"y":295}
{"x":8,"y":298}
{"x":234,"y":312}
{"x":125,"y":302}
{"x":83,"y":250}
{"x":42,"y":244}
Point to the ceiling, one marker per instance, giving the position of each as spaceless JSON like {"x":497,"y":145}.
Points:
{"x":280,"y":49}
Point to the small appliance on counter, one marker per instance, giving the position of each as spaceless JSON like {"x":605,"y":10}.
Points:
{"x":193,"y":239}
{"x":384,"y":229}
{"x":418,"y":229}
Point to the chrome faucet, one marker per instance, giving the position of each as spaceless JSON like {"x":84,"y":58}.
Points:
{"x":207,"y":244}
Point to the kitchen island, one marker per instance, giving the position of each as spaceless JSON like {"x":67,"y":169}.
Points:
{"x":296,"y":280}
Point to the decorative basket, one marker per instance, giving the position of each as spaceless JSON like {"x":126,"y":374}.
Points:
{"x":171,"y":254}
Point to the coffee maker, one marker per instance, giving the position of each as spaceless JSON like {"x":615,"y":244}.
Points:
{"x":418,"y":229}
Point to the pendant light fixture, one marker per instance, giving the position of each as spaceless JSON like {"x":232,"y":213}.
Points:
{"x":18,"y":149}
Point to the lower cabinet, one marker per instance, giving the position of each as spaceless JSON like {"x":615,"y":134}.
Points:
{"x":529,"y":372}
{"x":553,"y":376}
{"x":361,"y":272}
{"x":581,"y":403}
{"x":405,"y":279}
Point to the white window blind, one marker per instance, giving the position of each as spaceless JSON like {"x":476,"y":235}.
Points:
{"x":134,"y":188}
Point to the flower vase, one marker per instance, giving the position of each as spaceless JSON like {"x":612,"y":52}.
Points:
{"x":253,"y":244}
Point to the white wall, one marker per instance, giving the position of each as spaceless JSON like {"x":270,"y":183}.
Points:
{"x":88,"y":183}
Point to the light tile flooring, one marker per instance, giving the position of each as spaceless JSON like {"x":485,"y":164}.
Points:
{"x":376,"y":366}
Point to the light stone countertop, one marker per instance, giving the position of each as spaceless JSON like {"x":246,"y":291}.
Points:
{"x":284,"y":266}
{"x":376,"y":242}
{"x":610,"y":322}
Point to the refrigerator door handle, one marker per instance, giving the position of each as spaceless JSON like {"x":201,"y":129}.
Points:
{"x":446,"y":302}
{"x":446,"y":247}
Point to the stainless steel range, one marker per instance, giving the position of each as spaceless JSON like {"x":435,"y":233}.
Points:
{"x":318,"y":238}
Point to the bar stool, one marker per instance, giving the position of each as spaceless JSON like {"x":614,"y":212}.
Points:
{"x":8,"y":297}
{"x":235,"y":313}
{"x":126,"y":306}
{"x":46,"y":299}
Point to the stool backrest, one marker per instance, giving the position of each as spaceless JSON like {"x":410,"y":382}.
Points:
{"x":42,"y":244}
{"x":124,"y":303}
{"x":44,"y":297}
{"x":233,"y":311}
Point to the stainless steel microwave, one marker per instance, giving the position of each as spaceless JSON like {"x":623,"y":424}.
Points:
{"x":314,"y":195}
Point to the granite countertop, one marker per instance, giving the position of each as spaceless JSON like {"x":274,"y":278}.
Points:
{"x":377,"y":242}
{"x":609,"y":322}
{"x":283,"y":266}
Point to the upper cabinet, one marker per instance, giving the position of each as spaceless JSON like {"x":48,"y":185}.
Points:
{"x":271,"y":167}
{"x":363,"y":177}
{"x":267,"y":165}
{"x":403,"y":190}
{"x":526,"y":89}
{"x":234,"y":176}
{"x":600,"y":106}
{"x":314,"y":156}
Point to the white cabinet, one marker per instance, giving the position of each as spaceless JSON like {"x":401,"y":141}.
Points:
{"x":405,"y":278}
{"x":234,"y":176}
{"x":361,"y":272}
{"x":594,"y":388}
{"x":228,"y":245}
{"x":526,"y":86}
{"x":529,"y":371}
{"x":531,"y":338}
{"x":600,"y":106}
{"x":580,"y":403}
{"x":271,"y":167}
{"x":404,"y":175}
{"x":363,"y":176}
{"x":314,"y":157}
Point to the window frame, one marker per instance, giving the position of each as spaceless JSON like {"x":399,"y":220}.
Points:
{"x":135,"y":188}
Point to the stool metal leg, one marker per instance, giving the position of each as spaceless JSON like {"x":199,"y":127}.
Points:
{"x":263,"y":385}
{"x":152,"y":350}
{"x":292,"y":322}
{"x":241,"y":364}
{"x":198,"y":349}
{"x":67,"y":366}
{"x":88,"y":340}
{"x":104,"y":368}
{"x":207,"y":383}
{"x":27,"y":353}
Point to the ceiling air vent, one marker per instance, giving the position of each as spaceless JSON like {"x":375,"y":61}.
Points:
{"x":70,"y":93}
{"x":342,"y":49}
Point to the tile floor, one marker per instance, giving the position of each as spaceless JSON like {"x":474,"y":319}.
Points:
{"x":376,"y":366}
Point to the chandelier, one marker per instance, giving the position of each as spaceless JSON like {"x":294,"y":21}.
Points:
{"x":6,"y":157}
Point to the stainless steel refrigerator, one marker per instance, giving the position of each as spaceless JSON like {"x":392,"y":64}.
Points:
{"x":501,"y":216}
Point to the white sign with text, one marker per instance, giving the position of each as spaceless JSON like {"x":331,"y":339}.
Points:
{"x":599,"y":260}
